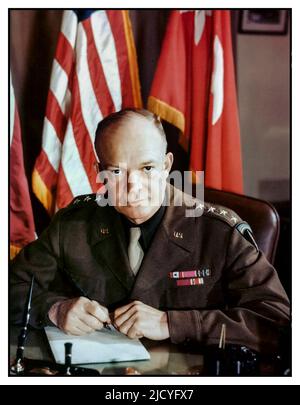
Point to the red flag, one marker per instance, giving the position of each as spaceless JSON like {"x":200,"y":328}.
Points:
{"x":21,"y":217}
{"x":94,"y":74}
{"x":194,"y":89}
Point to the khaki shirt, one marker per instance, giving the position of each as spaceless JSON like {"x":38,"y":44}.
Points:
{"x":84,"y":252}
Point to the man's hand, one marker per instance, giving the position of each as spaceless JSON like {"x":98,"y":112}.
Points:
{"x":138,"y":320}
{"x":78,"y":316}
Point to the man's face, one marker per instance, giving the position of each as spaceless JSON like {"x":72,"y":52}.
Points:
{"x":136,"y":167}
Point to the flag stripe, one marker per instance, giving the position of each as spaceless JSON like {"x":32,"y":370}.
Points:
{"x":59,"y":85}
{"x":48,"y":175}
{"x":105,"y":101}
{"x":69,"y":27}
{"x":217,"y":83}
{"x":55,"y":115}
{"x":85,"y":99}
{"x":65,"y":54}
{"x":106,"y":47}
{"x":117,"y":27}
{"x":64,"y":192}
{"x":51,"y":145}
{"x":79,"y":139}
{"x":73,"y":165}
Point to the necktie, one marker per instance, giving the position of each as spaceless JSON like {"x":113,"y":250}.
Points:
{"x":135,"y":252}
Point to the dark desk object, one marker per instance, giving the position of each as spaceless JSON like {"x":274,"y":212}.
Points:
{"x":37,"y":368}
{"x":18,"y":366}
{"x":233,"y":360}
{"x":166,"y":359}
{"x":68,"y":358}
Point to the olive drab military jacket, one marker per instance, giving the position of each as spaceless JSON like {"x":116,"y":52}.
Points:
{"x":199,"y":269}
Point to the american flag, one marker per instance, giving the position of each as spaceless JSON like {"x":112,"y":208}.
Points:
{"x":94,"y":73}
{"x":21,"y":216}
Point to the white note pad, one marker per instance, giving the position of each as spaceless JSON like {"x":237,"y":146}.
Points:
{"x":102,"y":346}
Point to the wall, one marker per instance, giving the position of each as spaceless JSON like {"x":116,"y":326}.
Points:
{"x":263,"y":75}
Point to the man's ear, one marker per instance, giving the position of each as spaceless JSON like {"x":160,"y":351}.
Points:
{"x":97,"y":167}
{"x":169,"y":158}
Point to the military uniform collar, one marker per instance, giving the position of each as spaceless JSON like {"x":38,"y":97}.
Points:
{"x":108,"y":242}
{"x":148,"y":228}
{"x":178,"y":226}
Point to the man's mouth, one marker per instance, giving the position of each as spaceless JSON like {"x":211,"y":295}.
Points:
{"x":137,"y":202}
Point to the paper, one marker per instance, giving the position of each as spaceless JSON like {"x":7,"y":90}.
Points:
{"x":104,"y":346}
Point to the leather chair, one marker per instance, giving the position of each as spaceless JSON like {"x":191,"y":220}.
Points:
{"x":260,"y":215}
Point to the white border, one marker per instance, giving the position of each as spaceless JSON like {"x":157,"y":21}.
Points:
{"x":4,"y":203}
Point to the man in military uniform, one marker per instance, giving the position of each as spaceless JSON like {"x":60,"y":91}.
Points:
{"x":145,"y":266}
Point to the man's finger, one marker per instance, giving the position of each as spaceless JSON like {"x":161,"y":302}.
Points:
{"x":98,"y":311}
{"x":83,"y":326}
{"x":76,"y":331}
{"x":121,"y":310}
{"x":128,"y":324}
{"x":133,"y":332}
{"x":118,"y":321}
{"x":91,"y":321}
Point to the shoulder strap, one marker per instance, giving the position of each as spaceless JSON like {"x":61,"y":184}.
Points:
{"x":245,"y":229}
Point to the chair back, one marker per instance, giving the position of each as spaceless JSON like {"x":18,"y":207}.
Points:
{"x":260,"y":215}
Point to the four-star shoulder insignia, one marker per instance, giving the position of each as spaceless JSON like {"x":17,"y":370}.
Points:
{"x":234,"y":219}
{"x":225,"y":214}
{"x":98,"y":198}
{"x":83,"y":199}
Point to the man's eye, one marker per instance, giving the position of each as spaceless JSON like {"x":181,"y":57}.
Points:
{"x":148,"y":169}
{"x":116,"y":172}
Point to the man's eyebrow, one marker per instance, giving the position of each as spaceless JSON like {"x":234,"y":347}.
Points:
{"x":148,"y":162}
{"x":110,"y":165}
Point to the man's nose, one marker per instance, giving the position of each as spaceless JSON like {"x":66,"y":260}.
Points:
{"x":134,"y":181}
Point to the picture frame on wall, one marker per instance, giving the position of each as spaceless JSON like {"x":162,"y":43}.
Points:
{"x":263,"y":21}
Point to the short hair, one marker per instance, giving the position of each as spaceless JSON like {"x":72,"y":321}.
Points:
{"x":125,"y":115}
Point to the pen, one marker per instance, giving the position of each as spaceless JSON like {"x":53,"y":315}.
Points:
{"x":18,"y":367}
{"x":220,"y":359}
{"x":83,"y":293}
